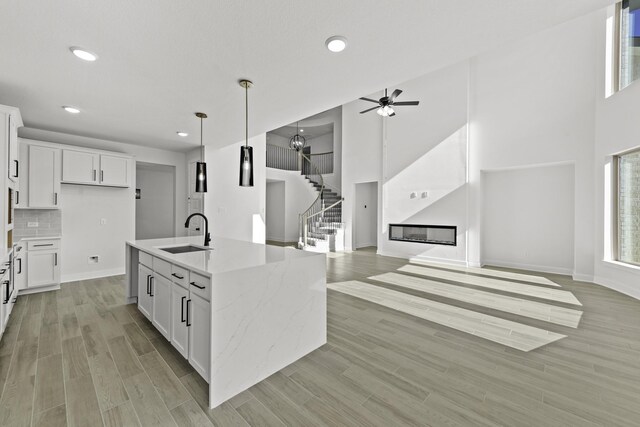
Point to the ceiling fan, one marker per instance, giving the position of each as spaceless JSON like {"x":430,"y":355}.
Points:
{"x":386,"y":104}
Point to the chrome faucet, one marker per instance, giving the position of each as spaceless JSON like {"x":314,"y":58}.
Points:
{"x":207,"y":236}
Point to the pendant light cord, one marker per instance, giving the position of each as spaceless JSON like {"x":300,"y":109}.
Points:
{"x":201,"y":146}
{"x":246,"y":115}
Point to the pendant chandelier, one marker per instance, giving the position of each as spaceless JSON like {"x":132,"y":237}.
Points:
{"x":201,"y":166}
{"x":246,"y":152}
{"x":297,"y":141}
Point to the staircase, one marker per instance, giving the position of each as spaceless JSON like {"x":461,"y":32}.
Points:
{"x":325,"y":232}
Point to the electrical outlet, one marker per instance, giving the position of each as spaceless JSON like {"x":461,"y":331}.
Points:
{"x":32,"y":224}
{"x":103,"y":221}
{"x":94,"y":259}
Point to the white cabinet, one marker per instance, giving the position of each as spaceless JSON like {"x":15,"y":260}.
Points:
{"x":80,"y":167}
{"x":161,"y":295}
{"x":115,"y":171}
{"x":145,"y":302}
{"x":43,"y":268}
{"x":179,"y":329}
{"x":20,"y":268}
{"x":44,"y":177}
{"x":199,"y":323}
{"x":13,"y":168}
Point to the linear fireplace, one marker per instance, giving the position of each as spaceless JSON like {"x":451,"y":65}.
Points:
{"x":419,"y":233}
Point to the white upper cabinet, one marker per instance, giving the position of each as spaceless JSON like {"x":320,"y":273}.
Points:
{"x":115,"y":171}
{"x":13,"y":167}
{"x":80,"y":167}
{"x":44,"y":177}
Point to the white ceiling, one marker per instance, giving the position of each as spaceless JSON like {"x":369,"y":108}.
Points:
{"x":161,"y":61}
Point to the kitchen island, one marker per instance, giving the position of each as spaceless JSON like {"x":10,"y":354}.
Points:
{"x":238,"y":311}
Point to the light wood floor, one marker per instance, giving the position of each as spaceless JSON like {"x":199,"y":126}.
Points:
{"x":78,"y":356}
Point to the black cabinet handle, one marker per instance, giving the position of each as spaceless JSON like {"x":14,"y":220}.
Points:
{"x":148,"y":279}
{"x":43,"y":244}
{"x":55,"y":259}
{"x":101,"y":176}
{"x":6,"y":298}
{"x":94,"y":174}
{"x":55,"y":199}
{"x":17,"y":167}
{"x":17,"y":197}
{"x":188,"y":305}
{"x":152,"y":281}
{"x":19,"y":266}
{"x":176,"y":276}
{"x":182,"y":310}
{"x":196,"y":285}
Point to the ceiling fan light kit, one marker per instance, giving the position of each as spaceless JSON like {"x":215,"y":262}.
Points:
{"x":386,"y":104}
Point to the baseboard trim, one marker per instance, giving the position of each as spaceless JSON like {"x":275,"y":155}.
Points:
{"x":578,"y":277}
{"x":617,"y":286}
{"x":444,"y":261}
{"x":531,"y":267}
{"x":38,"y":289}
{"x":92,"y":275}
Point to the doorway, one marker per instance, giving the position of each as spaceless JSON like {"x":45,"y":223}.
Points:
{"x":155,"y":201}
{"x":366,"y":215}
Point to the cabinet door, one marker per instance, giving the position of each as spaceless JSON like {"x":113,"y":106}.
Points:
{"x":44,"y":177}
{"x":145,"y":302}
{"x":199,"y":335}
{"x":161,"y":295}
{"x":13,"y":167}
{"x":80,"y":167}
{"x":22,"y":189}
{"x":179,"y":330}
{"x":42,"y":268}
{"x":115,"y":171}
{"x":20,"y":275}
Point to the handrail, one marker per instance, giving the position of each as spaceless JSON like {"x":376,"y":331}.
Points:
{"x":320,"y":154}
{"x":327,"y":208}
{"x":321,"y":182}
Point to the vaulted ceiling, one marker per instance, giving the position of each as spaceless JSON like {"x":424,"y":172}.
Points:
{"x":160,"y":61}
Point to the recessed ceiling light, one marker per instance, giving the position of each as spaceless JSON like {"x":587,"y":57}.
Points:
{"x":69,"y":109}
{"x":336,"y":43}
{"x":182,"y":134}
{"x":83,"y":54}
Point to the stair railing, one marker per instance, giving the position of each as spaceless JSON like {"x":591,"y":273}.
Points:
{"x":307,"y":218}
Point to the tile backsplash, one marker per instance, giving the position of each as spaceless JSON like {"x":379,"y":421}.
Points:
{"x":49,"y":223}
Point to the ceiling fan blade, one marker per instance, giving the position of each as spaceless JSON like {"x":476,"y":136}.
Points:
{"x":395,"y":93}
{"x":370,"y":100}
{"x":372,"y":108}
{"x":406,"y":103}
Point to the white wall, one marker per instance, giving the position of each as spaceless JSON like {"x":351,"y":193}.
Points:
{"x":299,"y":195}
{"x":155,"y":208}
{"x":528,"y":218}
{"x":275,"y":208}
{"x":236,"y":212}
{"x":366,"y":215}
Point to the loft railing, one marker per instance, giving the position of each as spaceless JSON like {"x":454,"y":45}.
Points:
{"x":282,"y":158}
{"x":287,"y":159}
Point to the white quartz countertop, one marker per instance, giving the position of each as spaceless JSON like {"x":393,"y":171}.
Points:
{"x":226,"y":254}
{"x":26,"y":239}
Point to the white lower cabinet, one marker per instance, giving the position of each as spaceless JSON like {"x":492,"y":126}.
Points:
{"x":199,"y":323}
{"x":182,"y":315}
{"x":161,"y":295}
{"x":145,"y":303}
{"x":179,"y":329}
{"x":43,"y":267}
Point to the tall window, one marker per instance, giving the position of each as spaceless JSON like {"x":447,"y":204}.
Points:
{"x":629,"y":42}
{"x":629,"y":207}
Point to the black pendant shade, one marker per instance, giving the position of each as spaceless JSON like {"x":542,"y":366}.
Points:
{"x":246,"y":166}
{"x":201,"y":177}
{"x":246,"y":152}
{"x":201,"y":166}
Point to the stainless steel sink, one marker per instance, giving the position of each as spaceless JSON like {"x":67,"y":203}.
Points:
{"x":184,"y":249}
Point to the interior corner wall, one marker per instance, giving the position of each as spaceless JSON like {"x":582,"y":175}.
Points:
{"x":233,"y":211}
{"x":528,"y":218}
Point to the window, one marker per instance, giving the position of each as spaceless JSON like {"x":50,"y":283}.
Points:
{"x":629,"y":42}
{"x":628,"y":206}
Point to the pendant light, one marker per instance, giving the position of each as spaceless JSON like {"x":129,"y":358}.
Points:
{"x":297,"y":141}
{"x":246,"y":152}
{"x":201,"y":166}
